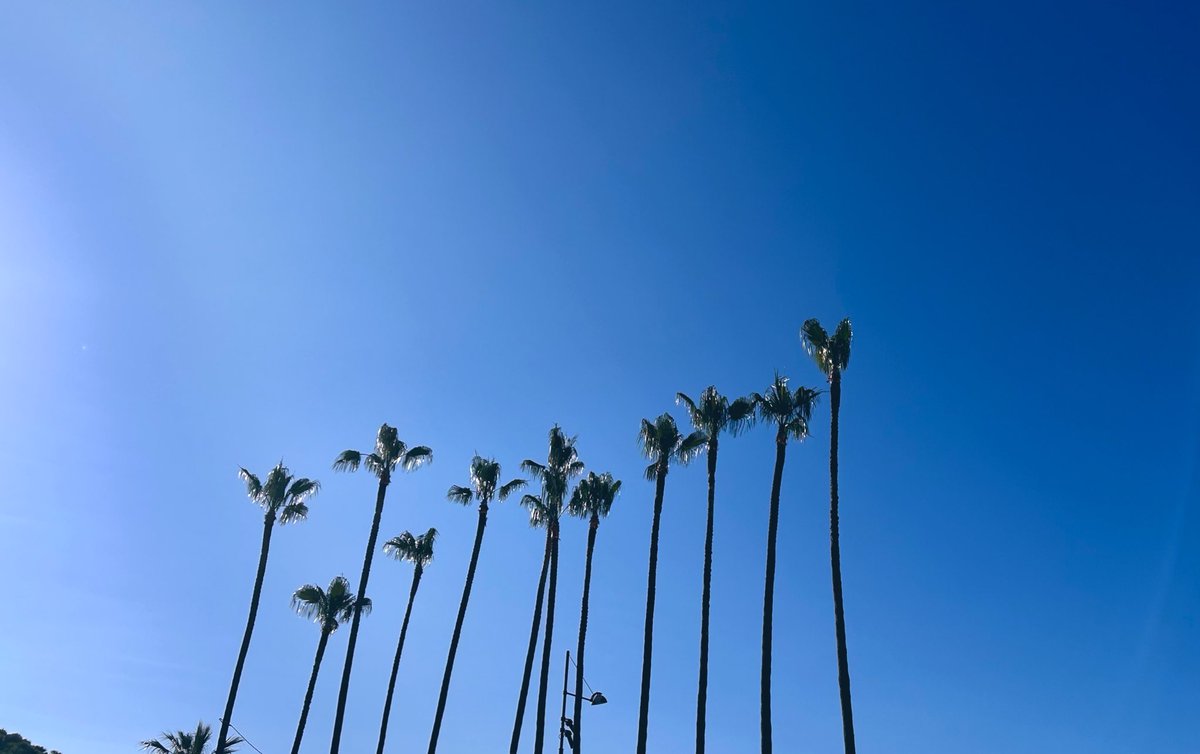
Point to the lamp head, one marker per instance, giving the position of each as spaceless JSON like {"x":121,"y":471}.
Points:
{"x":597,"y":698}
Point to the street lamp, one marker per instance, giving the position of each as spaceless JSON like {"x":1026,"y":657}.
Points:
{"x":566,"y":728}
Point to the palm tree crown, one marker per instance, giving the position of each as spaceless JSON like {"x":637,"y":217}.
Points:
{"x":282,"y":496}
{"x":390,"y":452}
{"x":416,"y":550}
{"x":182,"y":742}
{"x":562,"y":465}
{"x":328,"y":608}
{"x":713,"y":413}
{"x":831,"y":354}
{"x":594,"y":495}
{"x":662,"y":442}
{"x":788,"y":409}
{"x":485,"y":484}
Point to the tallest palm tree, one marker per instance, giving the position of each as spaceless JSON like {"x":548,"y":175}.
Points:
{"x":390,"y":452}
{"x":712,"y":415}
{"x":833,"y":356}
{"x":283,"y":499}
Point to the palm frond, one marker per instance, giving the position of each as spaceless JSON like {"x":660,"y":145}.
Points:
{"x":651,"y":472}
{"x":741,"y":415}
{"x":690,"y":447}
{"x":417,"y":457}
{"x":533,"y":468}
{"x":510,"y":487}
{"x":401,"y":547}
{"x":347,"y":460}
{"x":648,"y":439}
{"x":308,"y":601}
{"x":460,"y":495}
{"x":253,"y":486}
{"x":378,"y":464}
{"x":841,"y":345}
{"x":303,"y":488}
{"x":293,"y":512}
{"x":692,"y":409}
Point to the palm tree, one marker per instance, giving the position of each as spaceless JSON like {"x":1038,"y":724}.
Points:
{"x":562,"y":465}
{"x":592,"y":499}
{"x":328,"y":608}
{"x":390,"y":452}
{"x":833,"y":356}
{"x":712,"y":415}
{"x":283,"y":498}
{"x":536,"y":519}
{"x":790,"y":411}
{"x":182,"y":742}
{"x":485,"y":485}
{"x":418,"y":551}
{"x":662,"y":443}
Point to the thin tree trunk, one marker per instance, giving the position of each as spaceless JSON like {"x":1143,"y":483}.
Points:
{"x":593,"y":525}
{"x":458,"y":624}
{"x":660,"y":483}
{"x":533,"y":636}
{"x":387,"y":704}
{"x":769,"y":590}
{"x":264,"y":549}
{"x":308,"y":695}
{"x":344,"y":691}
{"x":835,"y":558}
{"x":702,"y":687}
{"x":539,"y":742}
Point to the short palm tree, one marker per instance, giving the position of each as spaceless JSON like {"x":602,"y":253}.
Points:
{"x":663,"y":444}
{"x":418,"y":551}
{"x":833,"y":356}
{"x":789,"y":410}
{"x":592,"y":500}
{"x":484,"y":486}
{"x":283,"y":498}
{"x":712,"y":415}
{"x":562,"y":465}
{"x":328,"y":608}
{"x":182,"y":742}
{"x":390,"y":452}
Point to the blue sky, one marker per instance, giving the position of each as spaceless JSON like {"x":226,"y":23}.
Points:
{"x":232,"y":234}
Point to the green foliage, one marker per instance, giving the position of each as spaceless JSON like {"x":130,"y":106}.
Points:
{"x":282,"y":495}
{"x":714,"y":414}
{"x":328,"y":607}
{"x":562,"y":465}
{"x":788,"y":409}
{"x":182,"y":742}
{"x":663,"y":443}
{"x":594,"y":495}
{"x":15,"y":743}
{"x":390,"y":452}
{"x":485,"y":484}
{"x":417,"y":550}
{"x":832,"y":355}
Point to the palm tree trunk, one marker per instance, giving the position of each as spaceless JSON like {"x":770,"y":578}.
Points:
{"x":660,"y":483}
{"x":835,"y":558}
{"x":387,"y":704}
{"x":769,"y":590}
{"x":308,"y":695}
{"x":458,"y":624}
{"x":533,"y":635}
{"x":264,"y":549}
{"x":702,"y":687}
{"x":362,"y":593}
{"x":583,"y":622}
{"x":540,"y":741}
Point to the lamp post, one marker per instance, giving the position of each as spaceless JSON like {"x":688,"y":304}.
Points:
{"x":565,"y":722}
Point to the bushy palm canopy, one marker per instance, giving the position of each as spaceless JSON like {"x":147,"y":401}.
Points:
{"x":485,"y":484}
{"x":330,"y":607}
{"x":662,"y":442}
{"x":562,"y":465}
{"x":788,"y":409}
{"x":831,"y":354}
{"x":390,"y":452}
{"x":594,"y":495}
{"x":182,"y":742}
{"x":713,"y":413}
{"x":282,"y":495}
{"x":417,"y":550}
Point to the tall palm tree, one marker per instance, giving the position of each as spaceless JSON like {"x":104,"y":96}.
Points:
{"x":592,"y":500}
{"x":418,"y":551}
{"x":663,"y":444}
{"x":484,"y":486}
{"x":833,"y":356}
{"x":182,"y":742}
{"x":283,"y":498}
{"x":536,"y":519}
{"x":328,"y":608}
{"x":790,"y":411}
{"x":562,"y":465}
{"x":390,"y":452}
{"x":712,"y":415}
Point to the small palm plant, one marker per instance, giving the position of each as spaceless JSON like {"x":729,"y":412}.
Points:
{"x":182,"y":742}
{"x":390,"y":452}
{"x":789,"y":410}
{"x":592,"y":500}
{"x":663,"y":444}
{"x":328,"y":608}
{"x":484,"y":486}
{"x":712,"y":415}
{"x":832,"y":356}
{"x":284,"y":499}
{"x":418,"y":551}
{"x":562,"y":465}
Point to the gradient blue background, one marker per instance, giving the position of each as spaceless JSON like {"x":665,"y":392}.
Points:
{"x":233,"y":232}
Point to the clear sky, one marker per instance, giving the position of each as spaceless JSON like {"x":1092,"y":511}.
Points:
{"x":232,"y":233}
